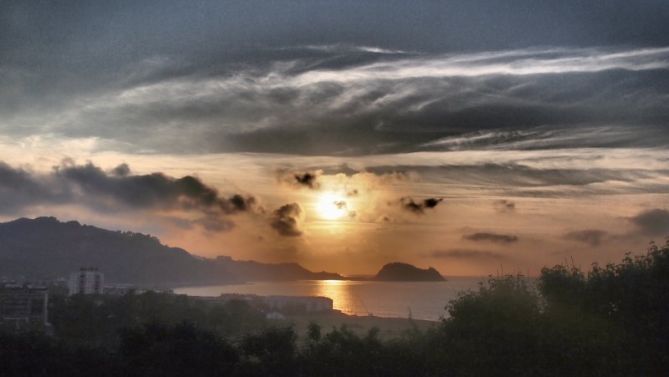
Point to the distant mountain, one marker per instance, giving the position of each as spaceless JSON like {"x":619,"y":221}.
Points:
{"x":406,"y":272}
{"x":45,"y":248}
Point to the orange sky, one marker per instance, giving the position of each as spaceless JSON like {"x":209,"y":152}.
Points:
{"x":484,"y":224}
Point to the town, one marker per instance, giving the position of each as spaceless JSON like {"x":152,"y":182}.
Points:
{"x":25,"y":306}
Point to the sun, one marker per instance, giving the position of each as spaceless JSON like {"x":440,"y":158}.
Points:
{"x":331,"y":206}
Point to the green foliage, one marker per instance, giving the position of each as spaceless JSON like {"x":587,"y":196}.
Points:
{"x":33,"y":354}
{"x":96,"y":320}
{"x":180,"y":350}
{"x":270,"y":353}
{"x":492,"y":331}
{"x":628,"y":302}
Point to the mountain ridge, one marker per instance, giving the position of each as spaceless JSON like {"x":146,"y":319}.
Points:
{"x":46,"y":248}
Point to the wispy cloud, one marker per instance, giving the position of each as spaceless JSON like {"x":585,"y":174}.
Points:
{"x":516,"y":99}
{"x":518,"y":62}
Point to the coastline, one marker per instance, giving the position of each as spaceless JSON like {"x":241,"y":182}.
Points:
{"x":388,"y":327}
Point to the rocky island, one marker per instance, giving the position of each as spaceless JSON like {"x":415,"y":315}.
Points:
{"x":405,"y":272}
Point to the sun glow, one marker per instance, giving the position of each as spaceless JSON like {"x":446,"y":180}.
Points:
{"x":331,"y":206}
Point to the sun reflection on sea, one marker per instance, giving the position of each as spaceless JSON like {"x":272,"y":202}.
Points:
{"x":342,"y":295}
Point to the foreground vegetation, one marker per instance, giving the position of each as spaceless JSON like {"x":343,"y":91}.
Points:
{"x":612,"y":321}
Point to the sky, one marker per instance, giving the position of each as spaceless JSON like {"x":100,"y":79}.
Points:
{"x":477,"y":137}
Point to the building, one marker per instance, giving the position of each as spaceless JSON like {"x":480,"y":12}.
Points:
{"x":23,"y":306}
{"x":88,"y":281}
{"x":124,"y":289}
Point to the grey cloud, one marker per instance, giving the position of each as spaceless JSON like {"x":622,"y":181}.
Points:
{"x":121,"y":170}
{"x":654,"y":222}
{"x":20,"y":188}
{"x":412,"y":114}
{"x":614,"y":134}
{"x":94,"y":188}
{"x":287,"y":219}
{"x":151,"y":190}
{"x":468,"y":254}
{"x":491,"y":237}
{"x":519,"y":175}
{"x":337,"y":169}
{"x":299,"y":107}
{"x":308,"y":179}
{"x":239,"y":203}
{"x":419,"y":207}
{"x":515,"y":179}
{"x":592,"y":237}
{"x":262,"y":77}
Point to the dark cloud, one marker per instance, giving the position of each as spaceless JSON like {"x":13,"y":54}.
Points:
{"x":308,"y":179}
{"x":592,"y":237}
{"x":121,"y":170}
{"x":468,"y":254}
{"x":151,"y":190}
{"x":504,"y":206}
{"x":91,"y":186}
{"x":654,"y":222}
{"x":338,"y":169}
{"x":239,"y":203}
{"x":532,"y":118}
{"x":20,"y":188}
{"x":491,"y":237}
{"x":277,"y":77}
{"x":419,"y":207}
{"x":287,"y":219}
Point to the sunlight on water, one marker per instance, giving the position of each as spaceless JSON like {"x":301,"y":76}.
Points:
{"x":420,"y":300}
{"x":342,"y":294}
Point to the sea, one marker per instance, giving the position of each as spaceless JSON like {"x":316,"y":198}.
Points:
{"x":417,"y":300}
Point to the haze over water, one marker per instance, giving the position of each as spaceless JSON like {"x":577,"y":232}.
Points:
{"x":420,"y":300}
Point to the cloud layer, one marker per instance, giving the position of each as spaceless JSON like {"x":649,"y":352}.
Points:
{"x":90,"y":186}
{"x":523,"y":99}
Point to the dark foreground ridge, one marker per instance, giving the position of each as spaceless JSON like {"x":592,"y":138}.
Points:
{"x":405,"y":272}
{"x":45,"y":248}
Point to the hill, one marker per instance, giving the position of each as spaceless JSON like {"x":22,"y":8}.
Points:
{"x":405,"y":272}
{"x":45,"y":248}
